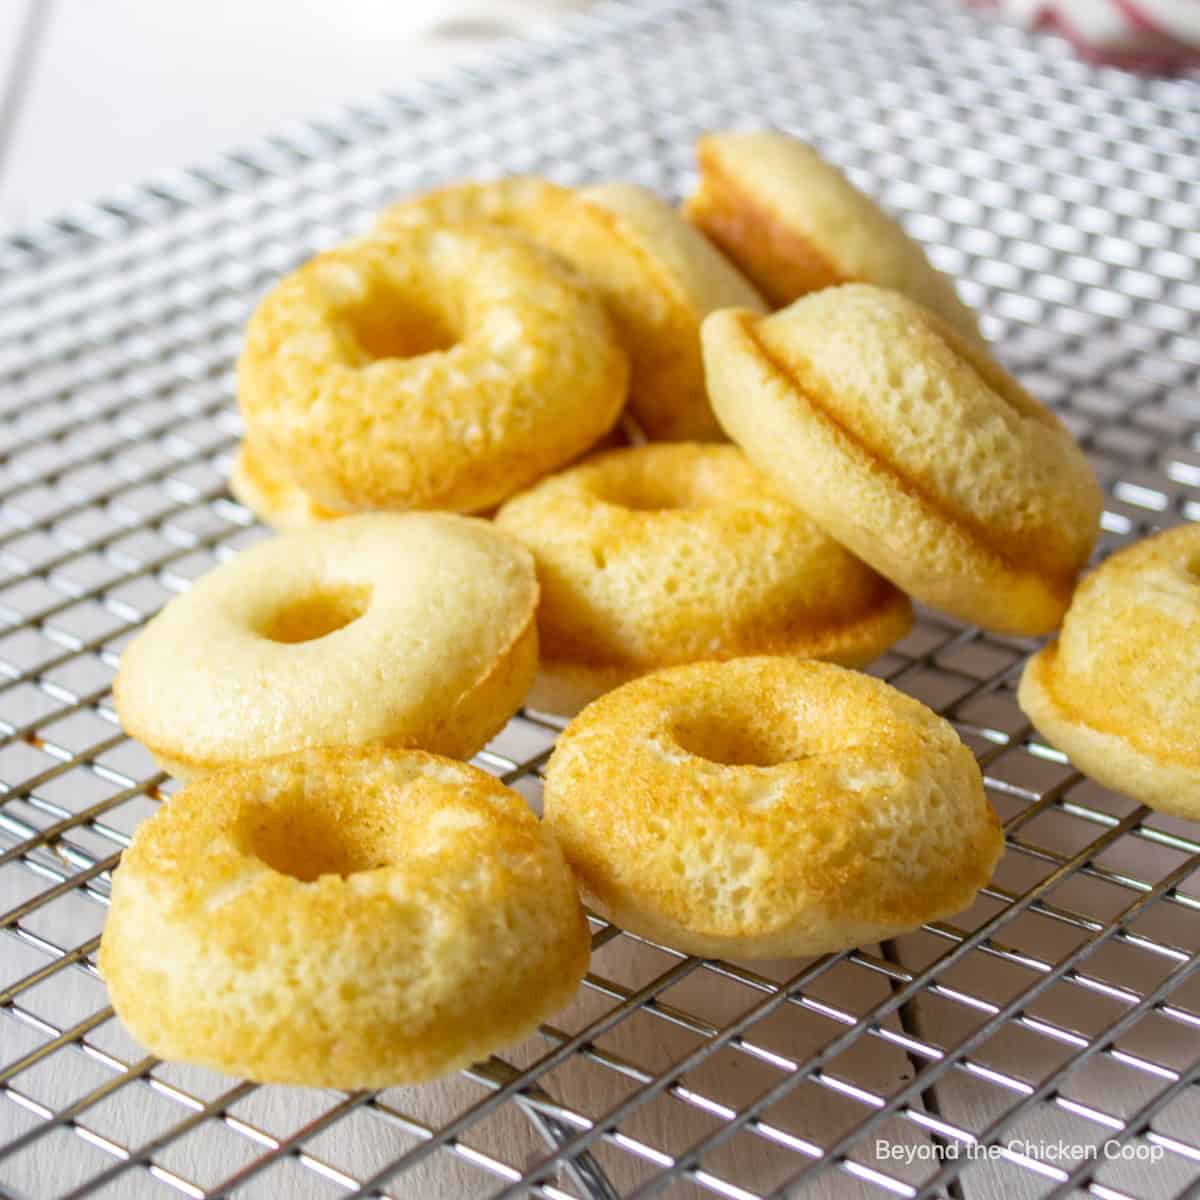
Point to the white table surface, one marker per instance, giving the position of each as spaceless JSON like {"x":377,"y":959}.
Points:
{"x":99,"y":94}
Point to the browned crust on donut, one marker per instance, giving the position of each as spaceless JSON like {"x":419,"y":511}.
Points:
{"x":1012,"y":558}
{"x":263,"y":486}
{"x":222,"y":959}
{"x":835,"y":866}
{"x":1117,"y":758}
{"x":780,"y":262}
{"x":883,"y":621}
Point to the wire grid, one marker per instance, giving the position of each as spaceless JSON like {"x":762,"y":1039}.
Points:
{"x":1062,"y":1010}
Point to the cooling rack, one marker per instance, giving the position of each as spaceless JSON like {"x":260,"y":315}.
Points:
{"x":1046,"y":1042}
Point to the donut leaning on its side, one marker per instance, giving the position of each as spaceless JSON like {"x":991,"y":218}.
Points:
{"x":1119,"y":691}
{"x":795,"y":224}
{"x":913,"y":448}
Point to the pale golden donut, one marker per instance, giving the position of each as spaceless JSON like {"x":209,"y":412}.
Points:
{"x":428,"y":368}
{"x":795,"y":224}
{"x":769,"y":807}
{"x":913,"y":448}
{"x":1119,"y":692}
{"x":670,"y":553}
{"x":658,"y":277}
{"x":414,"y":629}
{"x":267,"y":490}
{"x":263,"y":485}
{"x":341,"y":917}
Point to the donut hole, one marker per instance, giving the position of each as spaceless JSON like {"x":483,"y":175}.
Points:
{"x":305,"y":837}
{"x":390,"y":323}
{"x":732,"y":742}
{"x":317,"y":614}
{"x":648,"y":493}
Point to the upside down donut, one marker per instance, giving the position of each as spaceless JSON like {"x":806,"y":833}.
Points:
{"x":913,"y":448}
{"x":414,"y":629}
{"x":673,"y":552}
{"x":795,"y":224}
{"x":348,"y":918}
{"x":658,"y":277}
{"x":1119,"y":692}
{"x":428,"y":368}
{"x":769,"y":807}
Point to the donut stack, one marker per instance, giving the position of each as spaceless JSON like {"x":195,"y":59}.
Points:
{"x":571,"y":364}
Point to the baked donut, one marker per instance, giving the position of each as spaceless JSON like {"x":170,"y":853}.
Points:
{"x":1119,"y":692}
{"x":341,"y":917}
{"x":658,"y":277}
{"x":795,"y":224}
{"x":428,"y":368}
{"x":263,"y":485}
{"x":913,"y":448}
{"x":669,"y":553}
{"x":769,"y":807}
{"x":267,"y":490}
{"x":414,"y":629}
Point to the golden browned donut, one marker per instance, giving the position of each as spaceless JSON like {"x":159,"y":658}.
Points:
{"x":428,"y":368}
{"x":1119,"y":692}
{"x":769,"y":807}
{"x":669,"y":553}
{"x":913,"y":448}
{"x":267,"y":490}
{"x":657,"y":276}
{"x":347,"y":918}
{"x":414,"y":629}
{"x":795,"y":224}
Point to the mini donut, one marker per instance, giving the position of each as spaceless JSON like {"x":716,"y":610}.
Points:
{"x":795,"y":224}
{"x":658,"y":277}
{"x":913,"y":448}
{"x":267,"y":490}
{"x":413,"y":629}
{"x":1119,"y":692}
{"x":341,"y":917}
{"x":263,"y":485}
{"x":428,"y":368}
{"x":669,"y":553}
{"x":769,"y":807}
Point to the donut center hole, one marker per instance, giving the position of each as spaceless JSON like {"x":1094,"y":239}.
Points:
{"x":307,"y":841}
{"x":734,"y":743}
{"x":388,"y":323}
{"x":647,"y":494}
{"x":317,"y":614}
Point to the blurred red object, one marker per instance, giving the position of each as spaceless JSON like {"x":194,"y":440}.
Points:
{"x":1158,"y":36}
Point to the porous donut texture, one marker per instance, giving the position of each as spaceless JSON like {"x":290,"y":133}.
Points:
{"x":913,"y":448}
{"x":769,"y":807}
{"x":414,"y":629}
{"x":795,"y":224}
{"x":669,"y":553}
{"x":657,"y":275}
{"x":429,"y":368}
{"x":1119,"y":692}
{"x":347,"y":918}
{"x":266,"y":488}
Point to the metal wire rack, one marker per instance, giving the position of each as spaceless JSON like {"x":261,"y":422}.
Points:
{"x":1046,"y":1042}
